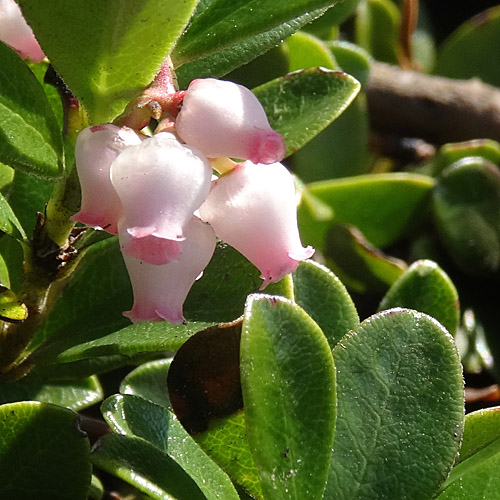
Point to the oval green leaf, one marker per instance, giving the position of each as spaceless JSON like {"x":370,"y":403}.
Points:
{"x":301,"y":104}
{"x":124,"y":45}
{"x":149,"y":381}
{"x":30,"y":138}
{"x":288,"y":382}
{"x":43,"y":453}
{"x":467,"y":214}
{"x":307,"y":51}
{"x":11,"y":308}
{"x":400,"y":408}
{"x":226,"y":22}
{"x":324,"y":297}
{"x":144,"y":466}
{"x":466,"y":53}
{"x":362,"y":267}
{"x":425,"y":287}
{"x":475,"y":475}
{"x":382,"y":206}
{"x":75,"y":394}
{"x":135,"y":416}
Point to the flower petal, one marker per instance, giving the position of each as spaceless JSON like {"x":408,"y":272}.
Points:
{"x":160,"y":183}
{"x":253,"y":208}
{"x":96,"y":148}
{"x":160,"y":291}
{"x":225,"y":119}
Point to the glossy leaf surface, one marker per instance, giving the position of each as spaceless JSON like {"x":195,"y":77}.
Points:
{"x":30,"y":138}
{"x":43,"y":453}
{"x":116,"y":35}
{"x":290,"y":412}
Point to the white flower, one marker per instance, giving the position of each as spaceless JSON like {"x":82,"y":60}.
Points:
{"x":160,"y":183}
{"x":160,"y":291}
{"x":253,"y":209}
{"x":225,"y":119}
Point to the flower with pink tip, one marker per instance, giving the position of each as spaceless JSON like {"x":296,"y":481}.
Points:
{"x":160,"y":291}
{"x":160,"y":183}
{"x":225,"y":119}
{"x":253,"y":209}
{"x":15,"y":32}
{"x":96,"y":148}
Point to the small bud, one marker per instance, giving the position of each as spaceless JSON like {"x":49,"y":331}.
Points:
{"x":160,"y":291}
{"x":96,"y":148}
{"x":160,"y":183}
{"x":15,"y":32}
{"x":253,"y":209}
{"x":225,"y":119}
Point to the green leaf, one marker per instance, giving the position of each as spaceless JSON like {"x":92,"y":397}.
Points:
{"x":290,"y":412}
{"x":450,"y":153}
{"x":382,"y":206}
{"x":139,"y":338}
{"x":467,"y":214}
{"x":338,"y":151}
{"x":75,"y":394}
{"x":303,"y":103}
{"x":8,"y":221}
{"x":225,"y":442}
{"x":425,"y":287}
{"x":475,"y":475}
{"x":144,"y":466}
{"x":149,"y":381}
{"x":28,"y":195}
{"x":307,"y":51}
{"x":95,"y":298}
{"x":221,"y":293}
{"x":377,"y":28}
{"x":30,"y":138}
{"x":43,"y":453}
{"x":400,"y":408}
{"x":352,"y":59}
{"x":482,"y":428}
{"x":362,"y":267}
{"x":226,"y":22}
{"x":323,"y":296}
{"x":466,"y":53}
{"x":125,"y":44}
{"x":11,"y":308}
{"x":222,"y":62}
{"x":135,"y":416}
{"x":205,"y":391}
{"x":326,"y":24}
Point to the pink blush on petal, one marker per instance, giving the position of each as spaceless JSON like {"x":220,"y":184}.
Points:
{"x":153,"y":250}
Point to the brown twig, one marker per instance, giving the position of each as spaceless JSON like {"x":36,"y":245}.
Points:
{"x":433,"y":108}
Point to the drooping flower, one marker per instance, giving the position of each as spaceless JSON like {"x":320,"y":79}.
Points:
{"x":160,"y":291}
{"x":15,"y":32}
{"x":96,"y":148}
{"x":160,"y":183}
{"x":225,"y":119}
{"x":253,"y":209}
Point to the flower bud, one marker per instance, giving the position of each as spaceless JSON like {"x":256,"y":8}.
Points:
{"x":160,"y":183}
{"x":95,"y":149}
{"x":15,"y":32}
{"x":160,"y":291}
{"x":253,"y":209}
{"x":225,"y":119}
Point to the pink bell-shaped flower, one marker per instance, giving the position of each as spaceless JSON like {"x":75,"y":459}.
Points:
{"x":160,"y":291}
{"x":253,"y":208}
{"x":225,"y":119}
{"x":160,"y":182}
{"x":96,"y":148}
{"x":15,"y":32}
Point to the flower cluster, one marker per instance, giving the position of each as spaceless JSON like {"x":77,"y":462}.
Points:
{"x":159,"y":194}
{"x":15,"y":32}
